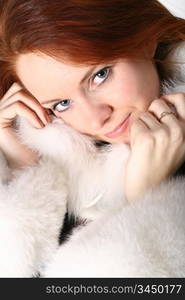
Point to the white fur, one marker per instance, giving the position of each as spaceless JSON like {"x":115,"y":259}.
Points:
{"x":86,"y":168}
{"x":145,"y":239}
{"x":32,"y":208}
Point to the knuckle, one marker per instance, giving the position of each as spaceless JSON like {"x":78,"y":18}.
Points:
{"x":146,"y":139}
{"x":16,"y":85}
{"x":18,"y":104}
{"x":144,"y":114}
{"x":181,"y":100}
{"x":162,"y":131}
{"x":177,"y":134}
{"x":31,"y":101}
{"x":14,"y":89}
{"x":180,"y":95}
{"x":162,"y":135}
{"x":155,"y":103}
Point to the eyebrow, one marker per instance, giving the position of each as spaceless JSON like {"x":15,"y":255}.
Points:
{"x":89,"y":72}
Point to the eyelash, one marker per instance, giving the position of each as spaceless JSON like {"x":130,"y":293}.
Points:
{"x":108,"y":68}
{"x":96,"y":74}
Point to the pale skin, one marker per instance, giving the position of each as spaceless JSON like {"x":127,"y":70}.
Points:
{"x":97,"y":106}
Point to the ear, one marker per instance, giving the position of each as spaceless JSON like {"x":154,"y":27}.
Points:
{"x":150,"y":49}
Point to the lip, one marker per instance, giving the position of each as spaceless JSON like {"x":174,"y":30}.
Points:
{"x":120,"y":129}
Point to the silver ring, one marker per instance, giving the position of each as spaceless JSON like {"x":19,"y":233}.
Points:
{"x":165,"y":113}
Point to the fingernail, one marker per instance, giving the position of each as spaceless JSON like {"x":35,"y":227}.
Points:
{"x":48,"y":118}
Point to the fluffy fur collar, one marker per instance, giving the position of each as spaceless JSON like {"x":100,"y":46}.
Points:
{"x":94,"y":175}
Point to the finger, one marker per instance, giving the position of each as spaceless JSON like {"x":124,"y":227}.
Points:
{"x":137,"y":129}
{"x":178,"y":100}
{"x":8,"y":114}
{"x":157,"y":107}
{"x":30,"y":102}
{"x":174,"y":125}
{"x":15,"y":87}
{"x":150,"y":120}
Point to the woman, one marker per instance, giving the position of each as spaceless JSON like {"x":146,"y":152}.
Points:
{"x":103,"y":69}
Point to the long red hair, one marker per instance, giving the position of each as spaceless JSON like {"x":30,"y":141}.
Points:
{"x":83,"y":31}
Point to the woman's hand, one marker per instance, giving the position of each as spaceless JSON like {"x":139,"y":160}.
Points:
{"x":157,"y":146}
{"x":17,"y":102}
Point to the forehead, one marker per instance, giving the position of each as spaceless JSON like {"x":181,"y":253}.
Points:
{"x":45,"y":77}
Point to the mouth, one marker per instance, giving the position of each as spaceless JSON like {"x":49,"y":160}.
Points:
{"x":120,"y":129}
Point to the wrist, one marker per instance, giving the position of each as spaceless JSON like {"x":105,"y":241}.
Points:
{"x":133,"y":194}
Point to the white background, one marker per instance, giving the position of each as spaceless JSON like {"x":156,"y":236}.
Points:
{"x":177,"y":7}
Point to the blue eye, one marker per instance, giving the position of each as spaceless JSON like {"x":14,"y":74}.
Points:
{"x":100,"y":76}
{"x":62,"y":105}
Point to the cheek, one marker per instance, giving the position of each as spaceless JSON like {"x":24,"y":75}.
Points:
{"x":73,"y":119}
{"x":137,"y":92}
{"x":139,"y":84}
{"x":126,"y":93}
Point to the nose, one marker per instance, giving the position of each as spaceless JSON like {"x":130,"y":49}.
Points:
{"x":97,"y":115}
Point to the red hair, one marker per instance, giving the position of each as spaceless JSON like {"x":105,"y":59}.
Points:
{"x":83,"y":31}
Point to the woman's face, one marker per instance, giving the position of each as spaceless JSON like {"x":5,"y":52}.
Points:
{"x":94,"y":100}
